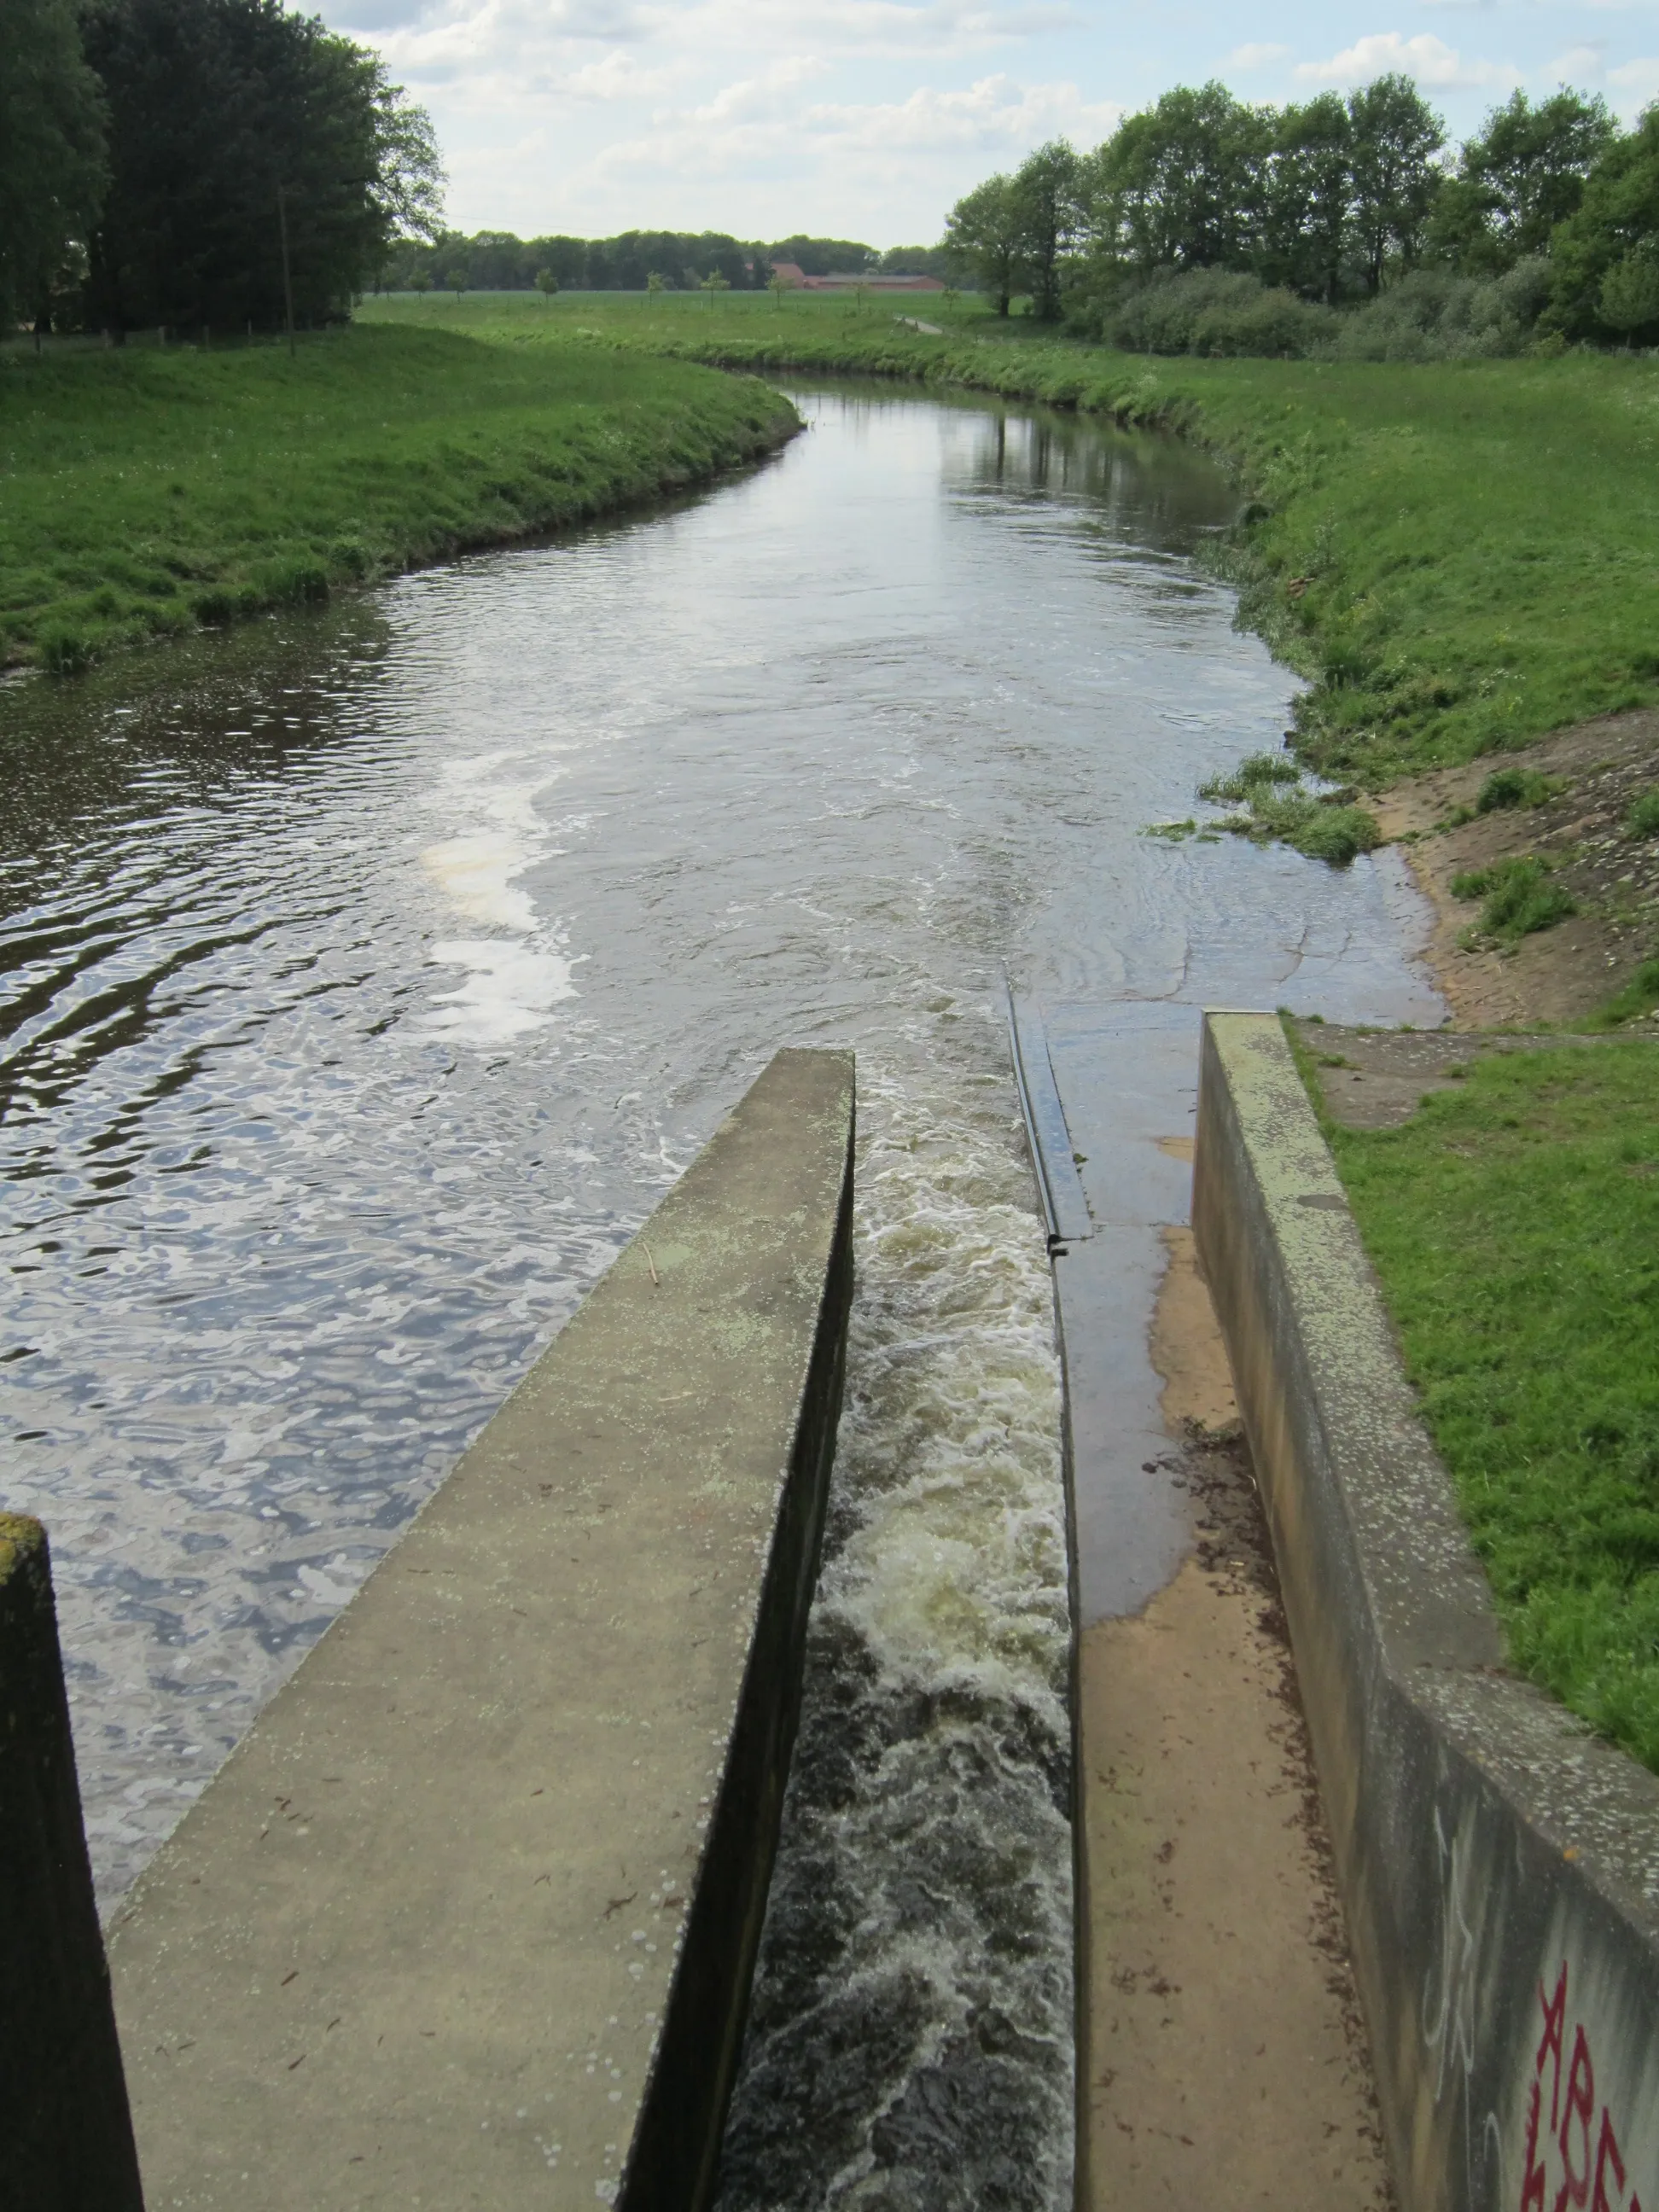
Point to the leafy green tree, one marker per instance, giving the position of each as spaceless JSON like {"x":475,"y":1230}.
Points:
{"x":457,"y":280}
{"x":1181,"y":186}
{"x":1047,"y":189}
{"x":986,"y":235}
{"x":1629,"y":297}
{"x":1520,"y":176}
{"x":546,"y":284}
{"x":1618,"y":217}
{"x":51,"y":150}
{"x":1308,"y":220}
{"x":1395,"y":135}
{"x":825,"y":256}
{"x":215,"y":104}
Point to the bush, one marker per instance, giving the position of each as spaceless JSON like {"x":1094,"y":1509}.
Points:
{"x":1642,"y":818}
{"x":1430,"y":314}
{"x":1515,"y":786}
{"x":1216,"y":312}
{"x":1519,"y":898}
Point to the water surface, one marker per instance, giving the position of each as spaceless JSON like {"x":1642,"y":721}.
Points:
{"x":366,"y":977}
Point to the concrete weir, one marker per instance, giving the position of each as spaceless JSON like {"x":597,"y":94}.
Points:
{"x":1499,"y":1867}
{"x":469,"y":1918}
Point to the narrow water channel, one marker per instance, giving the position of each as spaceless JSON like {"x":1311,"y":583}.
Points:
{"x":364,"y":979}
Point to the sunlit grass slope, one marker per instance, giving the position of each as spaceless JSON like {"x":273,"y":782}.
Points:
{"x":1462,"y":555}
{"x":1515,"y":1225}
{"x":144,"y":492}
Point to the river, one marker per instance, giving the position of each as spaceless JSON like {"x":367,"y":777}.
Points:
{"x":366,"y":975}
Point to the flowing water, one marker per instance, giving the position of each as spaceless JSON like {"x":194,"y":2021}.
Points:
{"x":367,"y":977}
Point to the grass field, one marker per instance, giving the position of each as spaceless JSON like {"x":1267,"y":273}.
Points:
{"x":1461,"y":557}
{"x":1514,"y":1222}
{"x":143,"y":492}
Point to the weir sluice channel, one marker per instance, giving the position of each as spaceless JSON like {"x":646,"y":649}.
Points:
{"x":366,"y":979}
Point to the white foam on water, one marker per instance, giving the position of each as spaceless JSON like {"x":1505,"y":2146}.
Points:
{"x":511,"y":981}
{"x":508,"y":990}
{"x":910,"y":2042}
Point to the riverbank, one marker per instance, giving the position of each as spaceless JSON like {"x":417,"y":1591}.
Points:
{"x":1455,"y":555}
{"x":150,"y":492}
{"x":1509,"y":1199}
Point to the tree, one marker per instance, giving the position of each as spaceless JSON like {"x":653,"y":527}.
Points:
{"x":985,"y":234}
{"x":1181,"y":186}
{"x":1617,"y":218}
{"x":457,"y":280}
{"x":1394,"y":135}
{"x":1629,"y":297}
{"x":51,"y":150}
{"x":215,"y":104}
{"x":1309,"y":212}
{"x":1046,"y":189}
{"x":1520,"y":176}
{"x":546,"y":284}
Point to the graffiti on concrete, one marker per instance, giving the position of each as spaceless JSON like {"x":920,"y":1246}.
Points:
{"x":1573,"y":2155}
{"x":1451,"y":2002}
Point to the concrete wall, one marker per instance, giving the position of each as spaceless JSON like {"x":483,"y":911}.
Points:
{"x":469,"y":1918}
{"x":68,"y":2140}
{"x":1499,"y":1867}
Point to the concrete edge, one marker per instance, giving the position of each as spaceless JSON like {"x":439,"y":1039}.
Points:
{"x":1499,"y":1865}
{"x":675,"y":2155}
{"x":68,"y":2136}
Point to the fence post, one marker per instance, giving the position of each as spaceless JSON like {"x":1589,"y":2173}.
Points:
{"x":68,"y":2143}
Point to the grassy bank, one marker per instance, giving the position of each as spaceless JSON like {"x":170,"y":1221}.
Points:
{"x":1459,"y":556}
{"x":142,"y":492}
{"x":1514,"y":1222}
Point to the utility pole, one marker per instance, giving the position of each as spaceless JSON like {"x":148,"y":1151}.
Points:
{"x":288,"y":278}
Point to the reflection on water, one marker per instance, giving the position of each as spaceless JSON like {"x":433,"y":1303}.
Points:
{"x":364,"y":979}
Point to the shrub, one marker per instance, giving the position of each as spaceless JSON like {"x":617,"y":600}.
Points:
{"x":1519,"y":897}
{"x":1429,"y":314}
{"x":1217,"y":311}
{"x":1642,"y":818}
{"x":1516,"y":786}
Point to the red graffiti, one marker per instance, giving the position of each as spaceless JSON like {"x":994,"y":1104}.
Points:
{"x":1592,"y":2179}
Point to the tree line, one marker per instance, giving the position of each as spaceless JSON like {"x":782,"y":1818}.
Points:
{"x":499,"y":261}
{"x":1332,"y":202}
{"x":161,"y":162}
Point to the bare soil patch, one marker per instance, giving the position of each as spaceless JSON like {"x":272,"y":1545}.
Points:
{"x":1377,"y":1078}
{"x":1563,"y":974}
{"x":1227,"y":2055}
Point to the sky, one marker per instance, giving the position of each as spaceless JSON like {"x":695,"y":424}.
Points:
{"x":868,"y":118}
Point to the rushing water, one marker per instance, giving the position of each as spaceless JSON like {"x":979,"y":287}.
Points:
{"x":366,"y":978}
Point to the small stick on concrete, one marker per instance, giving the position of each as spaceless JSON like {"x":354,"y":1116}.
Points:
{"x":652,"y":1264}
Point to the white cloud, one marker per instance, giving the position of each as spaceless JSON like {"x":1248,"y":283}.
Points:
{"x":1634,"y":85}
{"x":1580,"y":64}
{"x":1427,"y":58}
{"x":1256,"y":57}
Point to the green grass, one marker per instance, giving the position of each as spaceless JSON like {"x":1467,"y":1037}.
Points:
{"x":1459,"y":554}
{"x":144,"y":493}
{"x":1514,"y":1222}
{"x":1643,"y":820}
{"x":1518,"y":895}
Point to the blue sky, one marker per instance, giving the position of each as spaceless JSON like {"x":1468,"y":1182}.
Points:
{"x":867,"y":118}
